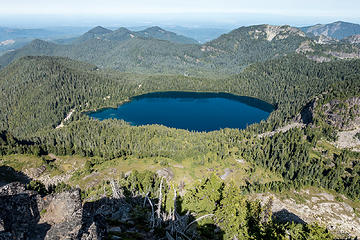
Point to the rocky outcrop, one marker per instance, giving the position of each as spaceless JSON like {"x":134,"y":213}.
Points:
{"x":354,"y":39}
{"x":319,"y":59}
{"x":281,"y":32}
{"x":64,"y":213}
{"x":345,"y":55}
{"x":305,"y":47}
{"x":20,"y":213}
{"x":322,"y":39}
{"x":349,"y":140}
{"x":270,"y":32}
{"x":26,"y":215}
{"x":343,"y":114}
{"x":296,"y":124}
{"x":309,"y":206}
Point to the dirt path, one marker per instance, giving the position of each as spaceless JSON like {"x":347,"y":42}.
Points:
{"x":66,"y":119}
{"x":282,"y":129}
{"x":227,"y":171}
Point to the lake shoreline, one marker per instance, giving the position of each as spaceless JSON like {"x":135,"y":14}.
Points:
{"x":198,"y":111}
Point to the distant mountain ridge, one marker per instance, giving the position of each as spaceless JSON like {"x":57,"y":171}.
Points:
{"x":99,"y":30}
{"x":11,"y":33}
{"x":15,"y":38}
{"x":155,"y":50}
{"x":123,"y":33}
{"x":159,"y":33}
{"x":337,"y":30}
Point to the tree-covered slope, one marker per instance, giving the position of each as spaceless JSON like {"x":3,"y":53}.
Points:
{"x":255,"y":43}
{"x":96,"y":32}
{"x":159,"y":33}
{"x":37,"y":92}
{"x":47,"y":88}
{"x":289,"y":82}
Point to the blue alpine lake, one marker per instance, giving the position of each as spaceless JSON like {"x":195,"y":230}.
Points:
{"x":196,"y":111}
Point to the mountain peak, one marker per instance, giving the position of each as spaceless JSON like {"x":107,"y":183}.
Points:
{"x":155,"y":28}
{"x":162,"y":34}
{"x":38,"y":43}
{"x":266,"y":32}
{"x":99,"y":30}
{"x":122,"y":30}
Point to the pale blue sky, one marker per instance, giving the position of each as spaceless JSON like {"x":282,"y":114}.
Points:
{"x":105,"y":7}
{"x":227,"y":11}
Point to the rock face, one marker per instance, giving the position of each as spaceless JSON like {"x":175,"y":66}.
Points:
{"x":64,"y":213}
{"x":322,"y":39}
{"x":355,"y":39}
{"x":305,"y":47}
{"x":26,"y":215}
{"x":281,"y":32}
{"x":345,"y":115}
{"x":271,"y":32}
{"x":20,"y":213}
{"x":321,"y":207}
{"x":342,"y":114}
{"x":344,"y":55}
{"x":62,"y":207}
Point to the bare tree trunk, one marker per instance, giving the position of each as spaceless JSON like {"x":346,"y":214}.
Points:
{"x":152,"y":211}
{"x":160,"y":199}
{"x":115,"y":190}
{"x":173,"y":216}
{"x":198,"y":219}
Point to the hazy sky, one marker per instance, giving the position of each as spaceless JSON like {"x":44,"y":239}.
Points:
{"x":285,"y":7}
{"x":215,"y":10}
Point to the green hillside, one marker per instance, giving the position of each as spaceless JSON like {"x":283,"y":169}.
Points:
{"x":47,"y":88}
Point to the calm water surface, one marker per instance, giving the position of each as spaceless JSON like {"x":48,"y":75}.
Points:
{"x":190,"y":110}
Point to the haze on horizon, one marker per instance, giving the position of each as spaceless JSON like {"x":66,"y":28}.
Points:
{"x":177,"y":12}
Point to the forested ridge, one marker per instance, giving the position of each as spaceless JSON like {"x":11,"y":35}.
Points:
{"x":62,"y":84}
